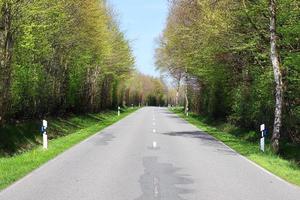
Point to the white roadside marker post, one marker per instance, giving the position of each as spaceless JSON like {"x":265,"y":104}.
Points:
{"x":119,"y":110}
{"x":262,"y":139}
{"x":45,"y":137}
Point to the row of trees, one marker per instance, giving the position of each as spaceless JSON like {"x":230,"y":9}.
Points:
{"x":221,"y":51}
{"x":145,"y":90}
{"x":60,"y":56}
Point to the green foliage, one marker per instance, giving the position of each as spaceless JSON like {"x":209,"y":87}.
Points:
{"x":67,"y":56}
{"x":223,"y":47}
{"x":144,"y":90}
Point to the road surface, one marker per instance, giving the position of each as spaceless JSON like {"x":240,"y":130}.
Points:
{"x":150,"y":155}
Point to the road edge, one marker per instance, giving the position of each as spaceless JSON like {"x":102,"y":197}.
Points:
{"x":40,"y":167}
{"x":243,"y":157}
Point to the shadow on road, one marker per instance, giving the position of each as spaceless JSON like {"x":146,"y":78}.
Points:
{"x":176,"y":118}
{"x":204,"y":139}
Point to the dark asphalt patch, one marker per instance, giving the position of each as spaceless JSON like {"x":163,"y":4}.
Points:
{"x":162,"y":181}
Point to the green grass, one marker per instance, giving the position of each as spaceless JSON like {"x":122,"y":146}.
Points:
{"x":286,"y":169}
{"x":16,"y":166}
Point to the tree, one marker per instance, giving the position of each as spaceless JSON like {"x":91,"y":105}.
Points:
{"x":7,"y":14}
{"x":224,"y":49}
{"x":166,"y":65}
{"x":59,"y":57}
{"x":277,"y":77}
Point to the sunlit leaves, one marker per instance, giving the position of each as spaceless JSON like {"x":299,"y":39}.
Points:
{"x":224,"y":46}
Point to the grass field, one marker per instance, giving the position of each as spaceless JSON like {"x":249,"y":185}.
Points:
{"x":246,"y":146}
{"x":71,"y":131}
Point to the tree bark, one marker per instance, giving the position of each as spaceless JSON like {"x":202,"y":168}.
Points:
{"x":277,"y":77}
{"x":186,"y":96}
{"x":177,"y":94}
{"x":6,"y":46}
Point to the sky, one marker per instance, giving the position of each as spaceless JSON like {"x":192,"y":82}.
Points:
{"x":142,"y":21}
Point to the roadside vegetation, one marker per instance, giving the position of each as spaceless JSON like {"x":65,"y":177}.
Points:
{"x":60,"y":57}
{"x":235,"y":62}
{"x":62,"y":61}
{"x":238,"y":62}
{"x":63,"y":58}
{"x":247,"y":144}
{"x":63,"y":132}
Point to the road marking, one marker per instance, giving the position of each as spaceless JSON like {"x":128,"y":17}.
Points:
{"x":156,"y":186}
{"x":154,"y":145}
{"x":153,"y":123}
{"x":154,"y":131}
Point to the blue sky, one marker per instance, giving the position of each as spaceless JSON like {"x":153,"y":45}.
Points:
{"x":142,"y":21}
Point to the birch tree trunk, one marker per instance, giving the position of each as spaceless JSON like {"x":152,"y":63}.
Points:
{"x":277,"y":78}
{"x":186,"y":97}
{"x":177,"y":93}
{"x":6,"y":45}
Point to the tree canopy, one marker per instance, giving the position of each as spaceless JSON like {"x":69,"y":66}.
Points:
{"x":65,"y":56}
{"x":224,"y":49}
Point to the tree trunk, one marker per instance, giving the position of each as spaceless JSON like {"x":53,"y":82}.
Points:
{"x":178,"y":79}
{"x":6,"y":45}
{"x":177,"y":96}
{"x":277,"y":78}
{"x":186,"y":97}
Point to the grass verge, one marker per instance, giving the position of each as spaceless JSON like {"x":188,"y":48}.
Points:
{"x":286,"y":169}
{"x":17,"y":166}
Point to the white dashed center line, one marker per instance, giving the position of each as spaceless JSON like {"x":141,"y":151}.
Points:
{"x":154,"y":145}
{"x":156,"y":186}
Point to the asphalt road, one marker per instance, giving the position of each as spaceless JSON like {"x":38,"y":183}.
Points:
{"x":150,"y":155}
